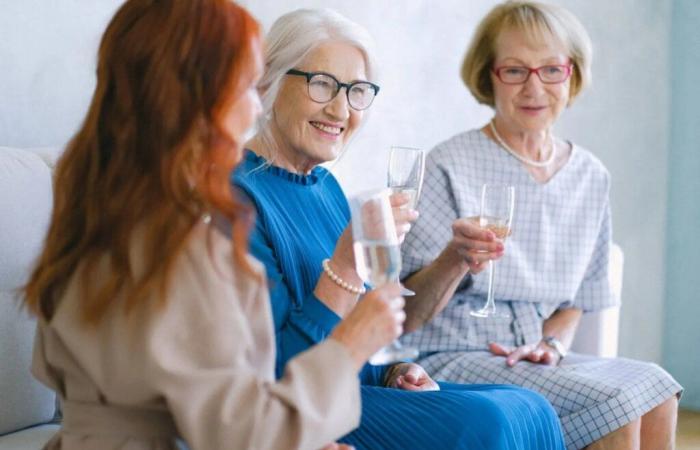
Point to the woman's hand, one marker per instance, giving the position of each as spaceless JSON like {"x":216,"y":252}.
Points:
{"x":403,"y":217}
{"x":410,"y":377}
{"x":475,"y":245}
{"x":374,"y":322}
{"x":539,"y":353}
{"x":343,"y":256}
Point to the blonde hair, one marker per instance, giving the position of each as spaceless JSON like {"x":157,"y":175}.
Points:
{"x":540,"y":23}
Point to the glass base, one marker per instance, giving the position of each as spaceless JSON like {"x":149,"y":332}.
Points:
{"x":392,"y":353}
{"x":488,"y":312}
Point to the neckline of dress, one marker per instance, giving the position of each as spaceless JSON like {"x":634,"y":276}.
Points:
{"x":266,"y":165}
{"x":521,"y":167}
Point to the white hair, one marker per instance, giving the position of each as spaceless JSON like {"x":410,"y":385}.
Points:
{"x":293,"y":36}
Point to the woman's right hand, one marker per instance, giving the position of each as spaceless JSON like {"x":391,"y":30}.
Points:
{"x":374,"y":322}
{"x":403,"y":216}
{"x":475,"y":245}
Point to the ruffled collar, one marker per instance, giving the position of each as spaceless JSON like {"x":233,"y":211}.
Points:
{"x":261,"y":163}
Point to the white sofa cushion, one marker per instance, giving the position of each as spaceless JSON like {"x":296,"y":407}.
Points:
{"x":25,"y":206}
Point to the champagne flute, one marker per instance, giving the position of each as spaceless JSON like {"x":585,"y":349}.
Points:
{"x":377,"y":256}
{"x":497,"y":204}
{"x":406,"y":168}
{"x":405,"y":175}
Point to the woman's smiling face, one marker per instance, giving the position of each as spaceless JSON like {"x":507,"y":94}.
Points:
{"x":533,"y":105}
{"x":308,"y":133}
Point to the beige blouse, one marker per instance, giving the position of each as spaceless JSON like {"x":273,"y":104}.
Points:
{"x":200,"y":369}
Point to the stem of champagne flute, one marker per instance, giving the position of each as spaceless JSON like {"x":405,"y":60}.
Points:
{"x":490,"y":305}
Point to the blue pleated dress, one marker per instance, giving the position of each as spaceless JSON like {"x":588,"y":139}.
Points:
{"x":299,"y":219}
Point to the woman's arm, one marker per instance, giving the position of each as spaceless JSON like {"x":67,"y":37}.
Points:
{"x":434,"y":286}
{"x":562,"y":325}
{"x":466,"y":253}
{"x":301,"y":326}
{"x":219,"y":400}
{"x":342,"y":263}
{"x":442,"y":248}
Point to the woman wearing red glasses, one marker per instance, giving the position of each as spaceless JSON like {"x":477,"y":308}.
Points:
{"x":528,"y":61}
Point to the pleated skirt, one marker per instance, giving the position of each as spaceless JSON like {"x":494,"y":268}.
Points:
{"x":474,"y":417}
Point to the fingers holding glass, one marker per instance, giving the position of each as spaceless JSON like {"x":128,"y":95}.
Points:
{"x":378,"y":257}
{"x":496,"y":216}
{"x":476,"y":246}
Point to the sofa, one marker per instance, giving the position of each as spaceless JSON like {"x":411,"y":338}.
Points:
{"x":27,"y":409}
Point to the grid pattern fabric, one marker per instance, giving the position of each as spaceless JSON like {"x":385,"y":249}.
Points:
{"x":592,"y":396}
{"x":556,"y":257}
{"x":558,"y":251}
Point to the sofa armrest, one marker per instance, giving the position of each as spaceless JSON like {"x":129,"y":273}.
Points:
{"x":29,"y":438}
{"x":598,"y":332}
{"x":25,"y":209}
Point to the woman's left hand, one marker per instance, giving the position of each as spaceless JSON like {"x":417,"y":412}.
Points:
{"x":539,"y":353}
{"x":410,"y":377}
{"x":402,"y":215}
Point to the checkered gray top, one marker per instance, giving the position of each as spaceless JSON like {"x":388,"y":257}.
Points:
{"x":557,"y":257}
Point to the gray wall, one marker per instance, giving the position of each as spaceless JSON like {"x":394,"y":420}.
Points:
{"x":681,"y":354}
{"x":624,"y":120}
{"x":47,"y":49}
{"x":47,"y":61}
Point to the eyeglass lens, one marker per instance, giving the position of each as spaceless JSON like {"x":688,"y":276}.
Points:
{"x":547,"y":74}
{"x":323,"y":88}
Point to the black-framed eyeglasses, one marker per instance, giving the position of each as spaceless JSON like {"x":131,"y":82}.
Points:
{"x":550,"y":74}
{"x":323,"y":87}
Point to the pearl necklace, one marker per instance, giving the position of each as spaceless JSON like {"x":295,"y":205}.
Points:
{"x":524,"y":159}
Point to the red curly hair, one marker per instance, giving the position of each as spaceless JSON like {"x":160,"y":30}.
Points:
{"x":152,"y":152}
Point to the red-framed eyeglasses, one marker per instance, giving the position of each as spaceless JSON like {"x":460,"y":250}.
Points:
{"x":549,"y":74}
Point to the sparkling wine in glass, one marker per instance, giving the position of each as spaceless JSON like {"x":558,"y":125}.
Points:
{"x":497,"y":204}
{"x":405,"y":175}
{"x":377,"y":256}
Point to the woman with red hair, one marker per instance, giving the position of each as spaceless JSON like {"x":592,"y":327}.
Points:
{"x":154,"y":326}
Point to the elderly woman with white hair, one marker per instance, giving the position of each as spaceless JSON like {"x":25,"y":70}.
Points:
{"x":320,"y":78}
{"x":528,"y":61}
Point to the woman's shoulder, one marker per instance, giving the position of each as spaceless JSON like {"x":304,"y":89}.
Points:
{"x":461,"y":145}
{"x":460,"y":149}
{"x":327,"y":180}
{"x":588,"y":162}
{"x":248,"y":171}
{"x":208,"y":259}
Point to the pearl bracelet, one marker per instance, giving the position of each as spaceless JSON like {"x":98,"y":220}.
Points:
{"x":339,"y":281}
